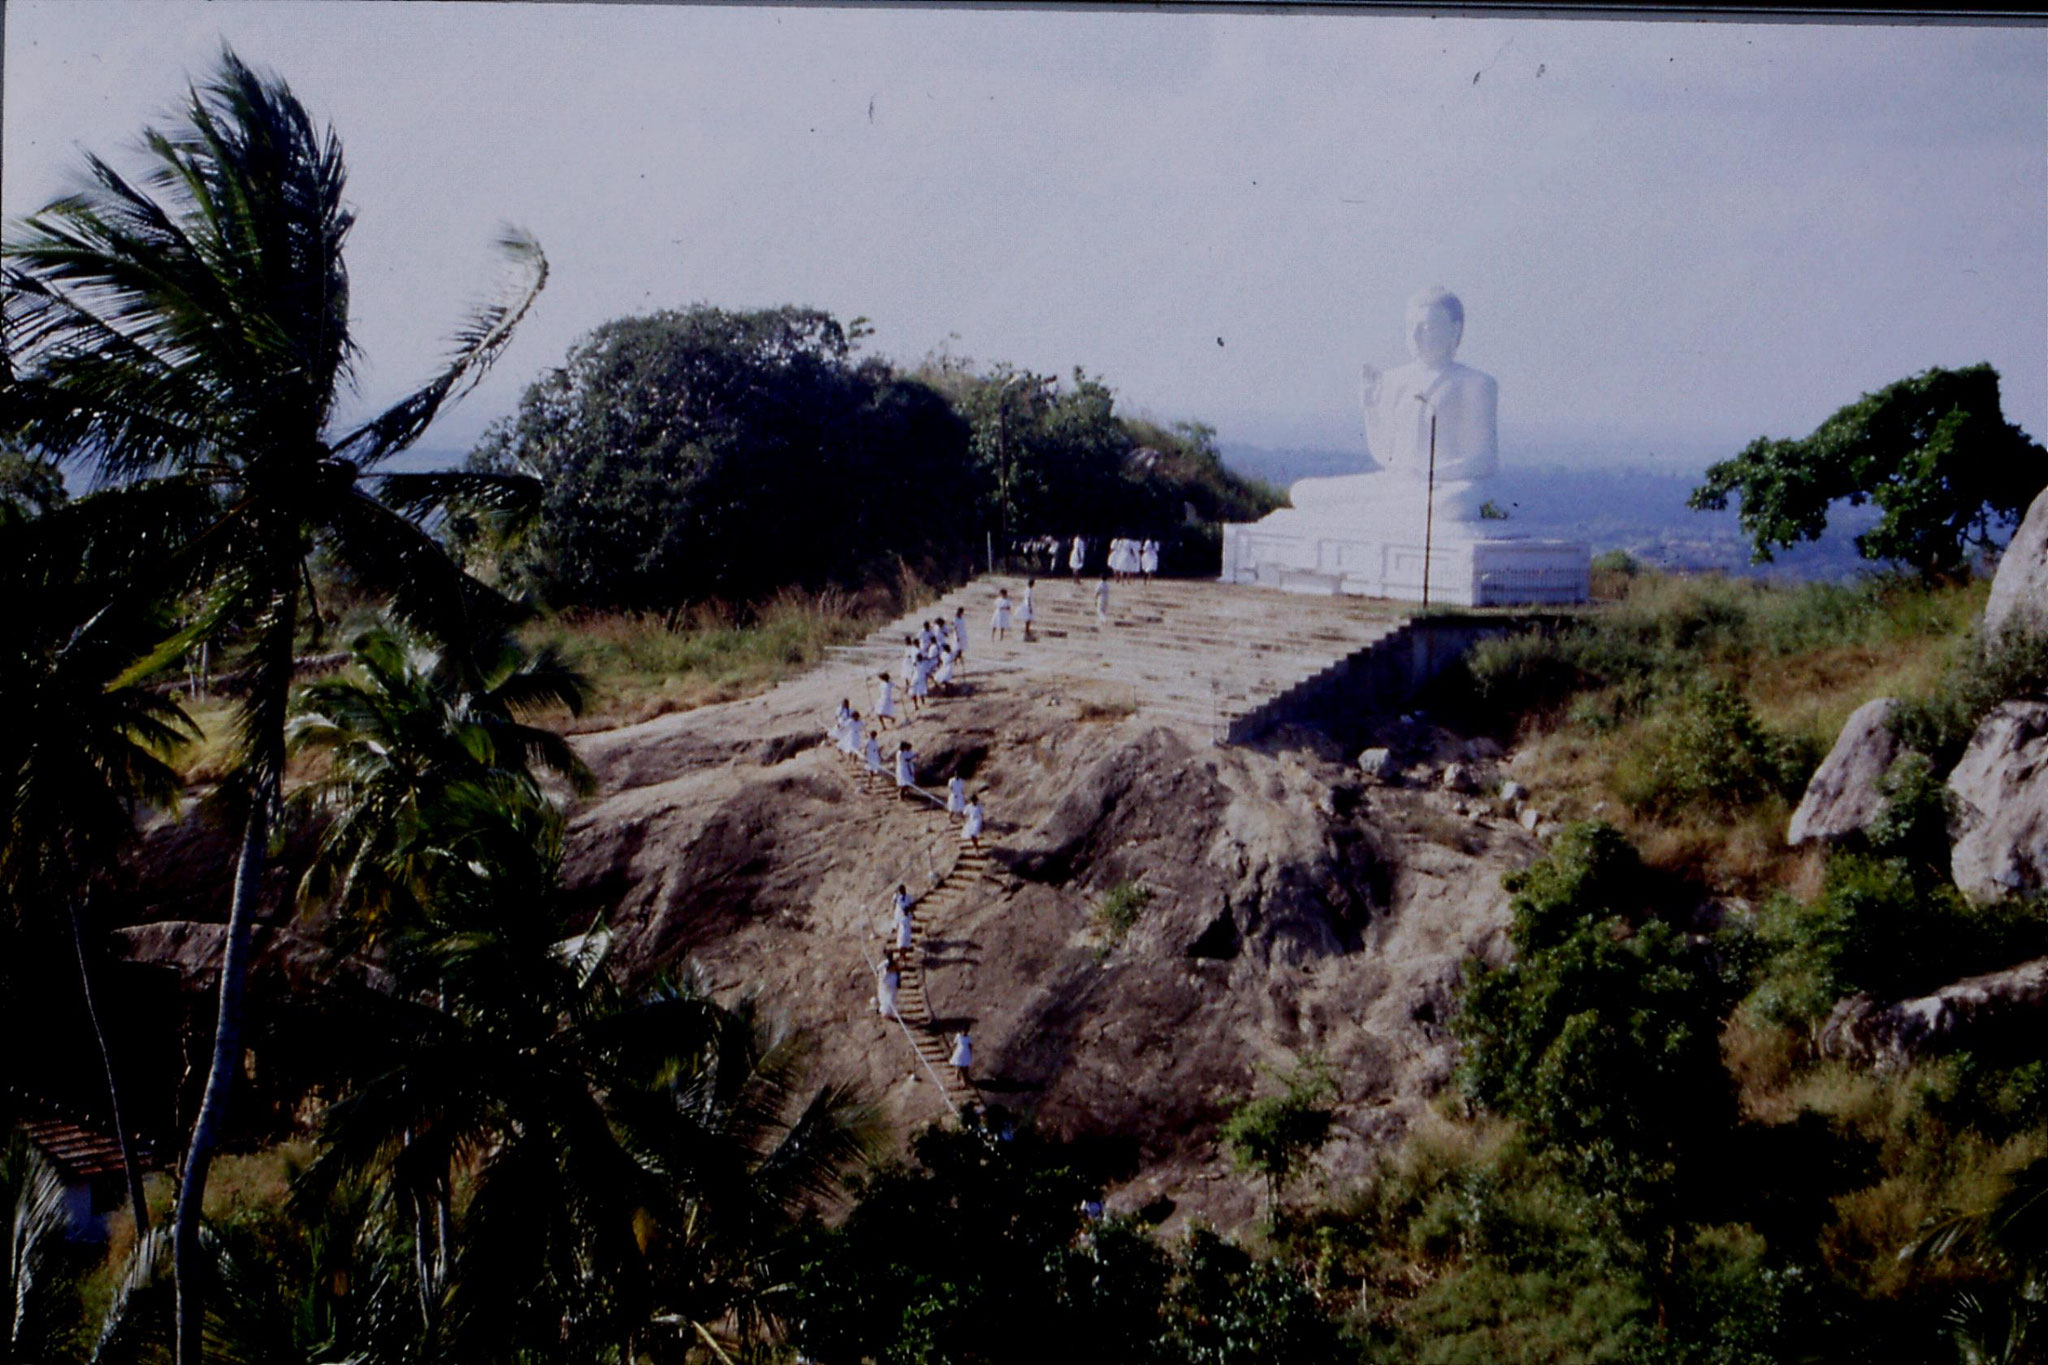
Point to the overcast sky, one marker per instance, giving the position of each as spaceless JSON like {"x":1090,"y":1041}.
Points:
{"x":1668,"y":234}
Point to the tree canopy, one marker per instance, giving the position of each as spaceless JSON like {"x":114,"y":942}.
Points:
{"x":1933,"y":452}
{"x":700,"y":453}
{"x":708,"y":453}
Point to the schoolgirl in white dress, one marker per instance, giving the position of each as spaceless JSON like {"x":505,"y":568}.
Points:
{"x":1148,"y":558}
{"x":1028,"y":612}
{"x":920,"y":681}
{"x":885,"y":702}
{"x":944,"y":677}
{"x":871,"y":753}
{"x":970,"y":830}
{"x":999,"y":624}
{"x":956,"y":796}
{"x":888,"y":981}
{"x":905,"y":924}
{"x":906,"y":768}
{"x":963,"y":1056}
{"x":1077,"y":556}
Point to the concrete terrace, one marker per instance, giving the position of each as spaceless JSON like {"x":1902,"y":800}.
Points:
{"x":1224,"y":660}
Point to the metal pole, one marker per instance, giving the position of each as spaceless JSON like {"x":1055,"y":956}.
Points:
{"x":1003,"y":462}
{"x":1429,"y":511}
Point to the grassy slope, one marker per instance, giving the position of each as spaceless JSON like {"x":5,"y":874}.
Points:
{"x":1592,"y":711}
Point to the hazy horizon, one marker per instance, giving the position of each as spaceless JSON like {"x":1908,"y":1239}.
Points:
{"x":1667,"y":235}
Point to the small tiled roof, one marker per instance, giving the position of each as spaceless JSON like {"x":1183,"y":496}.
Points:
{"x":77,"y":1153}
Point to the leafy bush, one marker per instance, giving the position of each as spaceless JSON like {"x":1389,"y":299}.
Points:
{"x":978,"y":1250}
{"x":1711,"y":752}
{"x":1602,"y":1035}
{"x":1882,"y":928}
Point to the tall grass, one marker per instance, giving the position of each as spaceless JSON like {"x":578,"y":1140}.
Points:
{"x":640,"y":667}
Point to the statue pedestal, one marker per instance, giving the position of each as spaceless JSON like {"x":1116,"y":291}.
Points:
{"x":1470,"y":565}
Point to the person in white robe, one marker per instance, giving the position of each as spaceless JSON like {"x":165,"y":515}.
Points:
{"x":1029,"y":611}
{"x":970,"y":828}
{"x":999,"y":624}
{"x":956,"y":796}
{"x":906,"y":768}
{"x":962,"y":1059}
{"x":1148,"y":559}
{"x":1077,"y":556}
{"x":885,"y":702}
{"x":920,"y":681}
{"x":888,"y":981}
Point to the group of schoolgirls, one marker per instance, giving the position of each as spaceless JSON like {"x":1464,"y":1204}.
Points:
{"x":931,"y":658}
{"x":1130,"y":558}
{"x":864,"y":744}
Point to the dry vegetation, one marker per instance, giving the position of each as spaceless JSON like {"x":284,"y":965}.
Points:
{"x":1598,"y":738}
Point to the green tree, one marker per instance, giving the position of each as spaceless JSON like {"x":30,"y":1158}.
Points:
{"x":708,"y":453}
{"x":188,"y":338}
{"x":626,"y":1157}
{"x":1271,"y":1136}
{"x":1933,"y":452}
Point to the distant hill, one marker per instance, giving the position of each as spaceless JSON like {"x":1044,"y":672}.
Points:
{"x":1633,"y":507}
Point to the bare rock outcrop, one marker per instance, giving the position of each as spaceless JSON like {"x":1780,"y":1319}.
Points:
{"x":1845,"y":794}
{"x":1293,"y":906}
{"x":1962,"y":1014}
{"x":2001,"y":789}
{"x":2019,"y":590}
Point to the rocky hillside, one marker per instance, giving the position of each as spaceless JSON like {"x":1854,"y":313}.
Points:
{"x":1294,"y":903}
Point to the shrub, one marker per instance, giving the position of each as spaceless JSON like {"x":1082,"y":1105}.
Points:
{"x":1272,"y":1136}
{"x":1982,"y":674}
{"x":1881,"y":929}
{"x":1118,"y":910}
{"x":1710,"y":751}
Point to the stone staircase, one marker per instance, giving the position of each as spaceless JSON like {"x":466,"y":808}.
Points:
{"x":946,"y":895}
{"x":1228,"y":660}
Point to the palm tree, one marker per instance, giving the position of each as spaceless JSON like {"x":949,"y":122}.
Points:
{"x":419,"y":720}
{"x":84,"y":745}
{"x":623,"y":1153}
{"x":187,"y":339}
{"x":2007,"y":1240}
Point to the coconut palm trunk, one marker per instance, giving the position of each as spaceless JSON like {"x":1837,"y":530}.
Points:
{"x":130,"y":1166}
{"x":269,"y":696}
{"x":227,"y":1059}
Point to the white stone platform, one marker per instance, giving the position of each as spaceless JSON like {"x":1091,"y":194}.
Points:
{"x":1299,"y":554}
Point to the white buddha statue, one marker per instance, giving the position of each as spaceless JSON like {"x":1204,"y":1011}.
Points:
{"x":1399,"y":405}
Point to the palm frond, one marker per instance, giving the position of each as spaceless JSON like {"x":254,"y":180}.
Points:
{"x":477,"y":344}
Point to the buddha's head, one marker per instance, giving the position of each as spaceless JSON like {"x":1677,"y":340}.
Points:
{"x":1435,"y":323}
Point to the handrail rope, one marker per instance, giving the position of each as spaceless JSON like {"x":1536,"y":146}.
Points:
{"x":925,"y":1062}
{"x":923,"y":984}
{"x":911,"y":1038}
